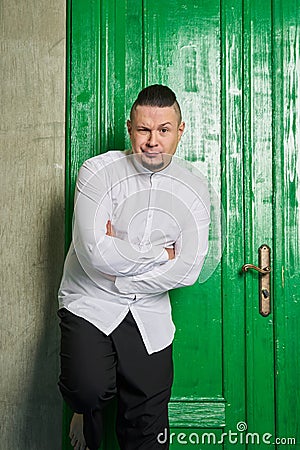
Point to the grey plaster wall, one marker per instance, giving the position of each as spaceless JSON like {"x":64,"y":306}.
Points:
{"x":32,"y":67}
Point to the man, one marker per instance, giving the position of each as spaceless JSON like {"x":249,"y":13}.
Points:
{"x":140,"y":229}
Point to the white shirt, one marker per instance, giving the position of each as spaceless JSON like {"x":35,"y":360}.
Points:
{"x":106,"y":276}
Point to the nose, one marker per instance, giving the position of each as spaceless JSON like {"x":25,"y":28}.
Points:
{"x":152,"y":141}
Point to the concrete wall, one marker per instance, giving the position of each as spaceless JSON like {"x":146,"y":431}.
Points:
{"x":32,"y":67}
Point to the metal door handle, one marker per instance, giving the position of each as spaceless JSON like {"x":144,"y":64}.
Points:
{"x":264,"y":270}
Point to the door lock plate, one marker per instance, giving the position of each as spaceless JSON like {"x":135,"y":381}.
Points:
{"x":264,"y":270}
{"x":264,"y":280}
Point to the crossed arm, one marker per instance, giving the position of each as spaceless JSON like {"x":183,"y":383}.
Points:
{"x":133,"y":272}
{"x":186,"y":259}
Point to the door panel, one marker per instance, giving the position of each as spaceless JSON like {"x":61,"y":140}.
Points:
{"x":232,"y":175}
{"x":235,"y":68}
{"x":258,"y":190}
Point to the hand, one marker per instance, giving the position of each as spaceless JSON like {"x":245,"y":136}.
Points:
{"x":171,"y":252}
{"x":109,"y":229}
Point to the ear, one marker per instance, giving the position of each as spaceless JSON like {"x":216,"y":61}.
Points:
{"x":129,"y":127}
{"x":181,"y":130}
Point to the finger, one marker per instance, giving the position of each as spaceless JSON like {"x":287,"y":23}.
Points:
{"x":108,"y":228}
{"x":112,"y":233}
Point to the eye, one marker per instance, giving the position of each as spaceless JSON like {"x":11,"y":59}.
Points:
{"x":142,"y":130}
{"x":164,"y":130}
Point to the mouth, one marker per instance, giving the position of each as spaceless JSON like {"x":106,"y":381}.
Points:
{"x":152,"y":160}
{"x":150,"y":154}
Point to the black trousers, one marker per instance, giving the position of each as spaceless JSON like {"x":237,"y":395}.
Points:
{"x":96,"y":367}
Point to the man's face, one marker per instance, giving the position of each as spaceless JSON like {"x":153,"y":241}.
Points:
{"x":154,"y":133}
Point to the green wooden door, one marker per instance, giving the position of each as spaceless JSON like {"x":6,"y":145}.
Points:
{"x":235,"y":67}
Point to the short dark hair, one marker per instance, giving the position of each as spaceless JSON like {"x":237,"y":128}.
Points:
{"x":156,"y":95}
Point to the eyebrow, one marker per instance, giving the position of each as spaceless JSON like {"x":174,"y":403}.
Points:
{"x":160,"y":125}
{"x":166,"y":123}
